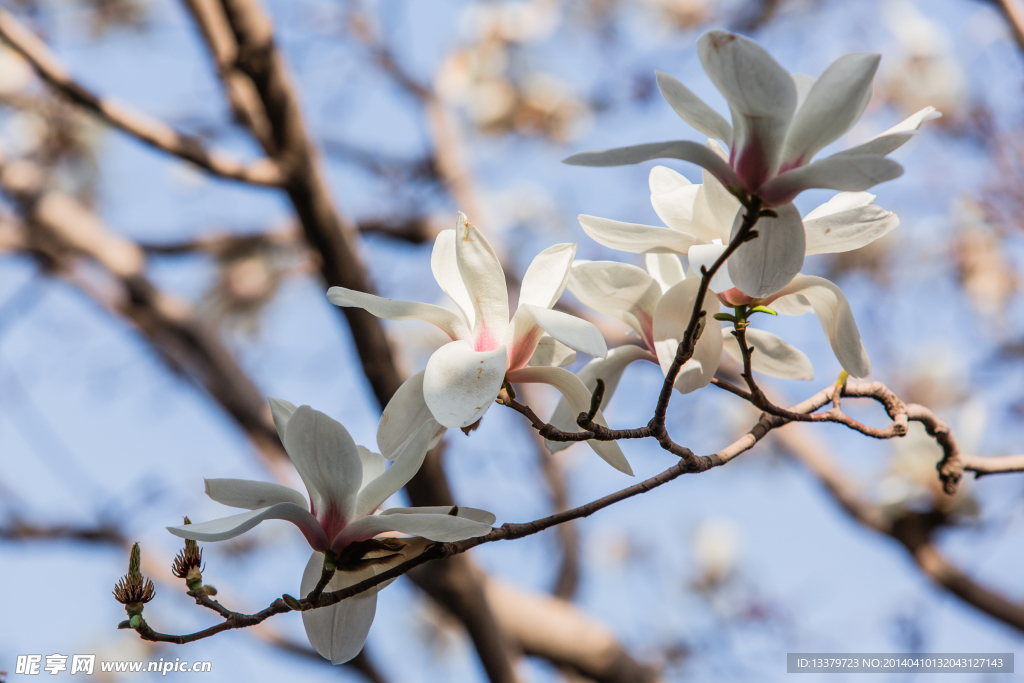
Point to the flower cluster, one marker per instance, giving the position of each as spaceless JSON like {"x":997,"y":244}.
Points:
{"x":779,"y":124}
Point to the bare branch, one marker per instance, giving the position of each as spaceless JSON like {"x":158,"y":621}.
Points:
{"x":62,"y":231}
{"x":997,"y":465}
{"x":914,"y":531}
{"x":149,"y":130}
{"x":1013,"y":11}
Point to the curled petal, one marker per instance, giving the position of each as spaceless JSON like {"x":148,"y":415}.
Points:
{"x":848,"y":221}
{"x":693,"y":110}
{"x":338,"y":632}
{"x":485,"y":282}
{"x":761,"y":96}
{"x":895,"y":137}
{"x":391,"y":309}
{"x":521,"y":338}
{"x":681,"y":205}
{"x":848,"y":173}
{"x":473,"y":514}
{"x":251,"y":495}
{"x":443,"y":528}
{"x":460,"y":384}
{"x":687,"y":150}
{"x":833,"y":105}
{"x":374,"y":465}
{"x":670,"y":321}
{"x":767,"y":263}
{"x":704,"y":256}
{"x":666,"y":269}
{"x":328,"y":461}
{"x":547,"y":276}
{"x":578,"y":397}
{"x":722,"y":205}
{"x":445,"y":267}
{"x":281,"y":411}
{"x":833,"y":311}
{"x":236,"y":525}
{"x":402,"y":418}
{"x":551,"y":352}
{"x":574,"y":332}
{"x":406,"y":465}
{"x":636,"y":238}
{"x":619,"y":290}
{"x":610,"y":370}
{"x":803,"y":83}
{"x":772,"y":356}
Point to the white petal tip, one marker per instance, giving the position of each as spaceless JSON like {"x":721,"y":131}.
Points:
{"x":337,"y":296}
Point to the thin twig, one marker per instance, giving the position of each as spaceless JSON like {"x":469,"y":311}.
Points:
{"x":149,"y":130}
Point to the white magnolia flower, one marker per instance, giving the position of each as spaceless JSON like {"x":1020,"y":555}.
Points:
{"x":463,"y":378}
{"x":657,"y":305}
{"x":700,"y":220}
{"x":779,"y":122}
{"x":346,"y":486}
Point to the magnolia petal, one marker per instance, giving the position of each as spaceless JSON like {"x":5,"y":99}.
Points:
{"x":636,"y":238}
{"x":521,"y":338}
{"x":895,"y":137}
{"x":666,"y":269}
{"x":485,"y":283}
{"x":844,"y":201}
{"x":402,"y":418}
{"x":326,"y":458}
{"x":803,"y":83}
{"x":392,"y":309}
{"x":547,"y":276}
{"x":680,"y":205}
{"x":761,"y":96}
{"x":443,"y":528}
{"x":610,"y":370}
{"x":281,"y":410}
{"x":772,"y":356}
{"x":405,"y":466}
{"x":846,"y":222}
{"x":338,"y":632}
{"x":686,"y":150}
{"x":578,"y":398}
{"x":722,"y":204}
{"x":767,"y":263}
{"x":833,"y":310}
{"x":445,"y":267}
{"x":576,"y":333}
{"x":670,"y":321}
{"x":846,"y":172}
{"x":374,"y":465}
{"x":252,"y":495}
{"x":833,"y":105}
{"x":704,"y":256}
{"x":693,"y":110}
{"x":228,"y":527}
{"x":619,"y":290}
{"x":473,"y":514}
{"x":551,"y":352}
{"x":460,"y":384}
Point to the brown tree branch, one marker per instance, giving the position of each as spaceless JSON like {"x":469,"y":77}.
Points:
{"x":506,"y":532}
{"x":61,"y":232}
{"x":914,"y":531}
{"x":1013,"y":12}
{"x":992,"y":465}
{"x":149,"y":130}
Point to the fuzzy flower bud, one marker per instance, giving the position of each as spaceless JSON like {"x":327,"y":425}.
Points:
{"x":188,"y":563}
{"x":133,"y":590}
